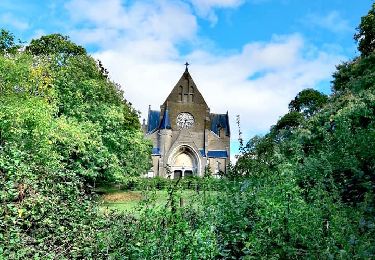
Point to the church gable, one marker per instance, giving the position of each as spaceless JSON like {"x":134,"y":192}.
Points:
{"x":185,"y":92}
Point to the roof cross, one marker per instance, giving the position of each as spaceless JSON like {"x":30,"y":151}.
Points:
{"x":186,"y":64}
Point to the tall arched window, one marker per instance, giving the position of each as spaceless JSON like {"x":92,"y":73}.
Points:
{"x":191,"y":94}
{"x":180,"y":95}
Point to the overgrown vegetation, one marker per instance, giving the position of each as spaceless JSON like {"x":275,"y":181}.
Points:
{"x":316,"y":167}
{"x":63,"y":127}
{"x":304,"y":190}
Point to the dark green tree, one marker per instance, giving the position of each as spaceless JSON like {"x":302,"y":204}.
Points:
{"x":366,"y":33}
{"x":54,"y":44}
{"x":63,"y":128}
{"x":290,"y":120}
{"x":7,"y":43}
{"x":323,"y":168}
{"x":355,"y":75}
{"x":308,"y":101}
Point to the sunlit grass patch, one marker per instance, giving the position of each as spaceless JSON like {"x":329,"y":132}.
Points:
{"x":130,"y":200}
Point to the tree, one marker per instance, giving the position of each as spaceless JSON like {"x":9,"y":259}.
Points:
{"x":324,"y":162}
{"x":85,"y":94}
{"x":308,"y":101}
{"x":54,"y":44}
{"x":290,"y":120}
{"x":7,"y":44}
{"x":366,"y":33}
{"x":356,"y":75}
{"x":64,"y":126}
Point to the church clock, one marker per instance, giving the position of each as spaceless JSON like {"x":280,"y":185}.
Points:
{"x":185,"y":120}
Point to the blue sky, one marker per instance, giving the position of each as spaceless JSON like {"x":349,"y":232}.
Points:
{"x":248,"y":57}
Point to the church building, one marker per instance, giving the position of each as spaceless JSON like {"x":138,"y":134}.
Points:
{"x":188,"y":140}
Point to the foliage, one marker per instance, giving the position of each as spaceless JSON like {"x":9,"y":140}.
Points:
{"x":315,"y":169}
{"x":290,"y":120}
{"x":7,"y":44}
{"x":54,"y":44}
{"x":64,"y":126}
{"x":41,"y":198}
{"x":303,"y":190}
{"x":366,"y":33}
{"x":355,"y":76}
{"x":308,"y":101}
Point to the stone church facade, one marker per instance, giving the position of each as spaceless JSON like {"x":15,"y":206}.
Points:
{"x":187,"y":138}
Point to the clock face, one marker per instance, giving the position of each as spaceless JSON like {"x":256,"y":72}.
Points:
{"x":185,"y":120}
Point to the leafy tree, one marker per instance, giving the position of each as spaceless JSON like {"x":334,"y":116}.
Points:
{"x":323,"y":169}
{"x":366,"y":33}
{"x":63,"y":127}
{"x":289,"y":120}
{"x":84,"y":93}
{"x":54,"y":44}
{"x":7,"y":44}
{"x":355,"y":75}
{"x":308,"y":102}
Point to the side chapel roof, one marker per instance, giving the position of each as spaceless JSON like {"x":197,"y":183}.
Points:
{"x":153,"y":120}
{"x":220,"y":121}
{"x":165,"y":121}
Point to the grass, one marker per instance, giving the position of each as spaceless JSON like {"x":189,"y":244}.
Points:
{"x":122,"y":200}
{"x":130,"y":200}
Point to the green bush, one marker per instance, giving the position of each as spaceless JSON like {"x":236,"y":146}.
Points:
{"x":63,"y":127}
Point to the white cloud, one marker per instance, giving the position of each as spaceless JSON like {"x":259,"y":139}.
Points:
{"x":10,"y":20}
{"x":332,"y":21}
{"x":106,"y":13}
{"x":206,"y":8}
{"x":139,"y":46}
{"x":107,"y":22}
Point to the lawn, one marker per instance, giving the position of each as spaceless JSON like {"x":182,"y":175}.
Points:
{"x":129,"y":200}
{"x":122,"y":200}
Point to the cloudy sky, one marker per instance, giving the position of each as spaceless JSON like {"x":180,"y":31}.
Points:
{"x":248,"y":57}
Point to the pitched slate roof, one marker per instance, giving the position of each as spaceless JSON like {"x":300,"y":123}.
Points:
{"x":165,"y":121}
{"x":220,"y":121}
{"x":153,"y":120}
{"x":217,"y":154}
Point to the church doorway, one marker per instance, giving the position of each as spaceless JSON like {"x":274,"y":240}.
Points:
{"x":184,"y":162}
{"x":177,"y":174}
{"x":188,"y":173}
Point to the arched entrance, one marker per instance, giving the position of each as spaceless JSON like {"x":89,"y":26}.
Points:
{"x":184,"y":162}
